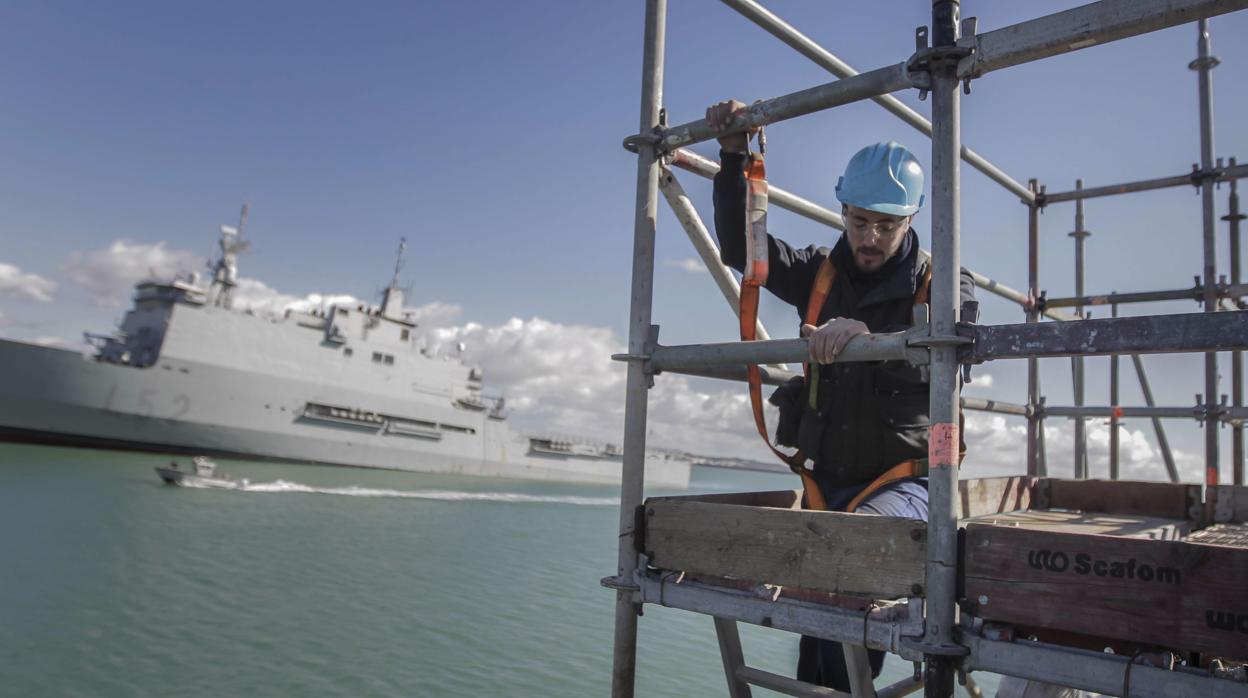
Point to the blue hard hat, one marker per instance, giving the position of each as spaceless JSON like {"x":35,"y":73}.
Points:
{"x":884,"y":177}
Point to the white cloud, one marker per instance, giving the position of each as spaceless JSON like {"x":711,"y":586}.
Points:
{"x":110,"y":273}
{"x":689,"y":264}
{"x":435,"y":314}
{"x":255,"y":296}
{"x":996,"y":445}
{"x":15,"y":282}
{"x":560,"y":379}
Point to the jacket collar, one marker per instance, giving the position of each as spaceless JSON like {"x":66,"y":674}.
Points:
{"x":901,"y":282}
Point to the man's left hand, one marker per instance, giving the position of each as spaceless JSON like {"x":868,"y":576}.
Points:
{"x":829,"y":339}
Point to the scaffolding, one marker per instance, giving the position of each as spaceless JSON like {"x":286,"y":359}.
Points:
{"x":942,"y":596}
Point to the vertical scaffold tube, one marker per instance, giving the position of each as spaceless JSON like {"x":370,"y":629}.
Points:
{"x":942,"y":549}
{"x":1233,"y":217}
{"x":1204,"y":65}
{"x":1035,"y":421}
{"x":633,"y":477}
{"x":1114,"y":424}
{"x":1081,"y":435}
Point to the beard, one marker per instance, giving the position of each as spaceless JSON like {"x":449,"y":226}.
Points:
{"x":870,"y":258}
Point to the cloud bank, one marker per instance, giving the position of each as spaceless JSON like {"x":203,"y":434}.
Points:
{"x":16,"y":283}
{"x":109,"y":274}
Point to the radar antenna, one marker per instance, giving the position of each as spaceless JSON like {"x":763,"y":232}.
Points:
{"x":225,"y":270}
{"x":392,"y":298}
{"x":398,"y":262}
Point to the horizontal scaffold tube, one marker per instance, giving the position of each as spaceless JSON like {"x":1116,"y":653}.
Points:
{"x":884,"y":631}
{"x":1226,"y":414}
{"x":1196,"y":293}
{"x":1081,"y":27}
{"x":986,"y":405}
{"x":862,"y":86}
{"x":870,"y":347}
{"x":773,"y":376}
{"x":1123,"y":412}
{"x":998,"y":289}
{"x":806,"y":46}
{"x":1154,"y":334}
{"x":1226,"y":174}
{"x":1089,"y":670}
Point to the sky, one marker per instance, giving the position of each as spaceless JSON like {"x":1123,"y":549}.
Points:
{"x":488,"y":134}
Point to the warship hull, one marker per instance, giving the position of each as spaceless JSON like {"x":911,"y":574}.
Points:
{"x":179,"y":405}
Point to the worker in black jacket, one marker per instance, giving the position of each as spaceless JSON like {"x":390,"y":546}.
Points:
{"x":868,"y":416}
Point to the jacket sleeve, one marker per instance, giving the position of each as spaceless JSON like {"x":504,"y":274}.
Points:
{"x":967,"y":286}
{"x":791,"y":270}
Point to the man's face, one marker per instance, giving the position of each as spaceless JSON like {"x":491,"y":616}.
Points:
{"x":873,"y":237}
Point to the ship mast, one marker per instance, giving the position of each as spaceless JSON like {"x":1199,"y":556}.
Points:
{"x":225,"y":270}
{"x":392,"y":302}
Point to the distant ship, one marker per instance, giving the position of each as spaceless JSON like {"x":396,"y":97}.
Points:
{"x":348,"y":385}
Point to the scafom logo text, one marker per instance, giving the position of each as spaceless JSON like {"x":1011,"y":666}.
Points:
{"x":1085,"y":564}
{"x":1227,"y":620}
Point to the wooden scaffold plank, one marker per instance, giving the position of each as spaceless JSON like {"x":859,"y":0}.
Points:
{"x":1173,"y":594}
{"x":859,"y":554}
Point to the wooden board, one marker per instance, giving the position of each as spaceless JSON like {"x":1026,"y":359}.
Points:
{"x":992,"y":495}
{"x":860,"y":554}
{"x":776,"y":499}
{"x":1232,"y":534}
{"x":1094,"y":522}
{"x":1162,"y":499}
{"x":1231,"y":505}
{"x":1185,"y":596}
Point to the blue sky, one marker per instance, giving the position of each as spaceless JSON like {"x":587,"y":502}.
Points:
{"x":489,"y":135}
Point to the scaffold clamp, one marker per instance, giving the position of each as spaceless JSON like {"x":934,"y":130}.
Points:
{"x":919,"y":66}
{"x":634,"y":142}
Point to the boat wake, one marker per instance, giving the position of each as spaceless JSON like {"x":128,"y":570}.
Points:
{"x":286,"y":487}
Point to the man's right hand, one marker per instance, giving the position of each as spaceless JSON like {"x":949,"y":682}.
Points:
{"x":720,"y":116}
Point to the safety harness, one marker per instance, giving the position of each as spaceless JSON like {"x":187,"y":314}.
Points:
{"x":752,"y":281}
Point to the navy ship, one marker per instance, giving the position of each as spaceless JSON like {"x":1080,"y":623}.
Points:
{"x":352,"y":385}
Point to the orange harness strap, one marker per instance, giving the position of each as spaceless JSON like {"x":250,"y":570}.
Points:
{"x":916,"y":467}
{"x":755,"y":276}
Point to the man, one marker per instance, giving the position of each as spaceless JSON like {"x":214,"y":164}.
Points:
{"x":867,"y":417}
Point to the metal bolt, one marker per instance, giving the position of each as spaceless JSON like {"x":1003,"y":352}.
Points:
{"x":983,"y":600}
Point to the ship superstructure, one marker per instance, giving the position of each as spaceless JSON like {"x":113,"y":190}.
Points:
{"x":345,"y":385}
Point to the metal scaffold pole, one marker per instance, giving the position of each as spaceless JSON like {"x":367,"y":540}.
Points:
{"x":1114,"y":423}
{"x":940,"y":647}
{"x":1233,"y":217}
{"x":1204,"y":65}
{"x":632,"y":482}
{"x":1081,"y":436}
{"x":1035,"y":420}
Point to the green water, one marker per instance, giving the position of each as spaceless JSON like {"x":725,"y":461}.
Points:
{"x":329,"y":582}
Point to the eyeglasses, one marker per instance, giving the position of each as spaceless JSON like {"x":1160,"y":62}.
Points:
{"x":885,"y":229}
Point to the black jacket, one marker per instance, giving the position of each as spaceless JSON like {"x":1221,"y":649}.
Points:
{"x":869,"y":416}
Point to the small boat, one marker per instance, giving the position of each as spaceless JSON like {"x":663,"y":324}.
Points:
{"x":203,"y":473}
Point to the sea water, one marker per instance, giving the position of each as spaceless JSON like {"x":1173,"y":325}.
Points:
{"x":318,"y":581}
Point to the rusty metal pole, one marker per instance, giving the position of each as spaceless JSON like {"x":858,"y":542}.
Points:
{"x":632,"y":483}
{"x":1204,"y":65}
